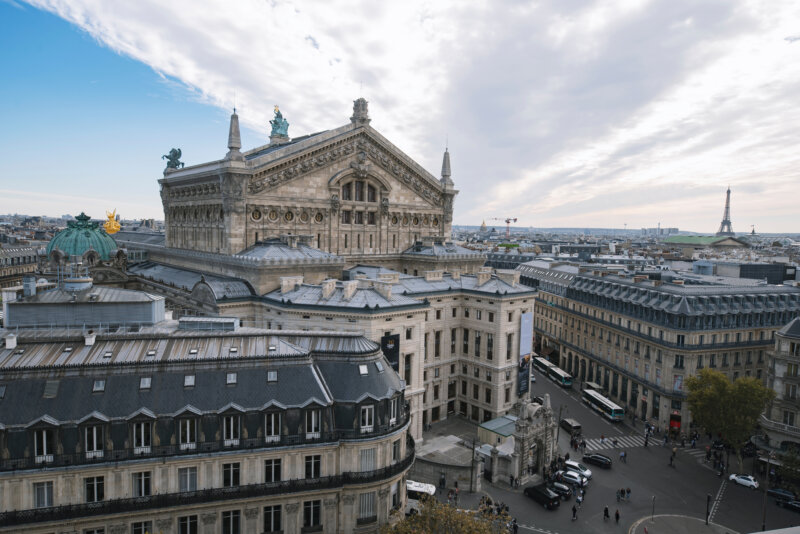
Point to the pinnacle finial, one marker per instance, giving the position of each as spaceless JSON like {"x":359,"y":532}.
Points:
{"x":360,"y":112}
{"x":446,"y":173}
{"x":234,"y":139}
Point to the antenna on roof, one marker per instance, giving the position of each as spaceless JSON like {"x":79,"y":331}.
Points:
{"x":234,"y":101}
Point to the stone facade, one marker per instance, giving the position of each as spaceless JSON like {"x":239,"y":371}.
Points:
{"x":349,"y":188}
{"x":781,"y":421}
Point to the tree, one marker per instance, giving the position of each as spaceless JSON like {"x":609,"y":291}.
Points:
{"x":730,"y":409}
{"x":441,"y":518}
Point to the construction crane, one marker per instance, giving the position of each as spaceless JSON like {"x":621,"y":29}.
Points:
{"x":508,"y":222}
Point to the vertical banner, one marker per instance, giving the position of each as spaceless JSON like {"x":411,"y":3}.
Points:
{"x":390,"y":345}
{"x":525,"y":351}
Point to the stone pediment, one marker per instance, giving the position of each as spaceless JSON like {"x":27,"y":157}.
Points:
{"x":364,"y":150}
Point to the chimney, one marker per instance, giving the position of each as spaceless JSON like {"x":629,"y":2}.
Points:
{"x":483,"y":277}
{"x":384,"y":288}
{"x":328,"y":287}
{"x":349,"y":289}
{"x":657,"y":283}
{"x":433,"y":276}
{"x":509,"y":276}
{"x":168,"y":315}
{"x":11,"y":341}
{"x":289,"y":283}
{"x":393,"y":278}
{"x":455,"y":274}
{"x":29,"y":285}
{"x":88,"y":338}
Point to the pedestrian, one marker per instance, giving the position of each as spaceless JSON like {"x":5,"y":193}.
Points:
{"x":574,"y":513}
{"x":514,"y":526}
{"x":455,"y":496}
{"x":606,"y":517}
{"x":621,"y":456}
{"x":628,"y":494}
{"x":449,"y":497}
{"x":511,"y":480}
{"x":645,"y":441}
{"x":616,"y":516}
{"x":566,"y":457}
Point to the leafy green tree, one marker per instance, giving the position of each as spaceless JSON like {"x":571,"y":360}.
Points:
{"x":440,"y":518}
{"x":728,"y":408}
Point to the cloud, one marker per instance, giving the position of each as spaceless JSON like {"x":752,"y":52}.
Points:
{"x":558,"y":113}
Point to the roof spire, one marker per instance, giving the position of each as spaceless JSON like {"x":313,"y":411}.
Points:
{"x":234,"y":139}
{"x":446,"y":168}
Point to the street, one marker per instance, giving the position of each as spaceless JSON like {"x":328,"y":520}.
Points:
{"x":656,"y":487}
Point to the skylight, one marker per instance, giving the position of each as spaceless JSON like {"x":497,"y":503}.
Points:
{"x":231,"y":379}
{"x":379,"y":365}
{"x":2,"y":392}
{"x":151,"y":352}
{"x":99,"y":386}
{"x":67,"y":349}
{"x":108,"y":354}
{"x":234,"y":349}
{"x":272,"y":376}
{"x":362,"y":369}
{"x":188,"y":381}
{"x":144,"y":382}
{"x":192,"y":351}
{"x":50,"y":389}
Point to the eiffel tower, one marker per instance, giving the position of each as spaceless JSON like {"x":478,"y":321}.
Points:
{"x":725,"y":228}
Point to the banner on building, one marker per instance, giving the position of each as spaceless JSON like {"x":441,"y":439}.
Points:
{"x":525,"y":351}
{"x":390,"y":345}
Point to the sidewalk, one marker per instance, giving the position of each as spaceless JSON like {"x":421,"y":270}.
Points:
{"x":677,"y":524}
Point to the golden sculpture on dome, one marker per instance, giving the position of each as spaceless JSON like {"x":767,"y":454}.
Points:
{"x":111,"y":226}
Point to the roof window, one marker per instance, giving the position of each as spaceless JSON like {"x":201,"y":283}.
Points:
{"x":379,"y":366}
{"x":234,"y":349}
{"x":231,"y":379}
{"x":20,"y":351}
{"x":67,"y":349}
{"x":192,"y":351}
{"x":108,"y":354}
{"x":188,"y":381}
{"x":151,"y":352}
{"x":273,"y":348}
{"x":50,"y":389}
{"x":144,"y":382}
{"x":99,"y":386}
{"x":362,"y":369}
{"x":272,"y":376}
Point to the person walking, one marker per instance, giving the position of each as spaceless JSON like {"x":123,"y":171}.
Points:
{"x":514,"y":526}
{"x":628,"y":494}
{"x":616,"y":516}
{"x":606,"y":517}
{"x":617,"y":495}
{"x":574,"y":513}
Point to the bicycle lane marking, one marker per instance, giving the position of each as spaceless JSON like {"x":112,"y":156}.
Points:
{"x":717,"y":499}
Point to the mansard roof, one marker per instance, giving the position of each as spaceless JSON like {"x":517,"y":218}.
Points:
{"x":366,"y":298}
{"x":278,"y":249}
{"x":792,"y":329}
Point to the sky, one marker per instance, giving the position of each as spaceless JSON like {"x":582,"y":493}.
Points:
{"x":563,"y":113}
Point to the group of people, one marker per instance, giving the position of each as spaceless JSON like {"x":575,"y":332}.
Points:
{"x":624,"y":493}
{"x":576,"y":442}
{"x":606,"y":517}
{"x":488,"y":507}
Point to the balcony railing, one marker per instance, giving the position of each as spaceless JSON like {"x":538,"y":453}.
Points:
{"x":165,"y":500}
{"x":202,"y":447}
{"x":774,"y":425}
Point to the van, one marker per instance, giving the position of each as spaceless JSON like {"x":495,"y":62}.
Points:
{"x":544,"y":496}
{"x":571,"y":426}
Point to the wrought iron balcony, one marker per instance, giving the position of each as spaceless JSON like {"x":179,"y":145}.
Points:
{"x":165,"y":500}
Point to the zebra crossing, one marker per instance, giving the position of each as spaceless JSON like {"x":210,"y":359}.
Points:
{"x":623,"y":442}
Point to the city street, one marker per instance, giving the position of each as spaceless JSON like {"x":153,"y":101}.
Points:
{"x":656,"y":488}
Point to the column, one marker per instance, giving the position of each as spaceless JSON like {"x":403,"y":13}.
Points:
{"x":251,"y":521}
{"x":209,"y":521}
{"x":330,"y":514}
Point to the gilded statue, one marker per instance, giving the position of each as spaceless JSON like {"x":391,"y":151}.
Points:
{"x":111,"y":226}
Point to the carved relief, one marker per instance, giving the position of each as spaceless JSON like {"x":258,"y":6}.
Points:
{"x":251,"y":513}
{"x":330,"y":503}
{"x":349,"y":498}
{"x":209,"y":518}
{"x":291,"y":508}
{"x":335,"y":202}
{"x":385,"y":207}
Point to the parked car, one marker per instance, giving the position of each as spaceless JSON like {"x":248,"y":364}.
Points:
{"x":543,"y":496}
{"x":594,"y":458}
{"x":781,"y":495}
{"x":571,"y":477}
{"x":744,"y":480}
{"x":560,"y":488}
{"x":572,"y":465}
{"x":791,"y":505}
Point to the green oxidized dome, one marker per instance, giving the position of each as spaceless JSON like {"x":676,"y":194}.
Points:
{"x":82,"y":235}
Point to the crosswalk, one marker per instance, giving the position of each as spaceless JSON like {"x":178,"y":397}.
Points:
{"x":623,"y":442}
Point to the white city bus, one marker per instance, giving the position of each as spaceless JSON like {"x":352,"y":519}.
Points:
{"x":603,"y":405}
{"x":415,"y":492}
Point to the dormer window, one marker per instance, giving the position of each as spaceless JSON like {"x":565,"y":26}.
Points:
{"x":230,"y":430}
{"x":362,"y":369}
{"x":272,"y":427}
{"x":187,"y":434}
{"x":142,"y":435}
{"x":99,"y":386}
{"x":393,"y":405}
{"x":231,"y":379}
{"x":234,"y":350}
{"x":188,"y":381}
{"x":144,"y":383}
{"x":313,"y":424}
{"x":44,"y":445}
{"x":93,"y":439}
{"x":272,"y":376}
{"x":367,"y":422}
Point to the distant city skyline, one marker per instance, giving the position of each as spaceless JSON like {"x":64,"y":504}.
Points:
{"x":586,"y":114}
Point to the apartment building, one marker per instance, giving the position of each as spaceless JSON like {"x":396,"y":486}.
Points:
{"x":781,"y":420}
{"x":639,"y":336}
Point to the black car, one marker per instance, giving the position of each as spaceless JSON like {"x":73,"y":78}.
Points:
{"x":600,"y":460}
{"x":543,"y":496}
{"x":781,"y":494}
{"x":791,"y":505}
{"x":561,"y":489}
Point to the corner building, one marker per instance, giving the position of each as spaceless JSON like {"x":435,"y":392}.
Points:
{"x":199,"y":426}
{"x":639,"y":338}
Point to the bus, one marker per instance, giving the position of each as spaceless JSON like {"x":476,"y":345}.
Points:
{"x":560,"y":377}
{"x":542,"y":364}
{"x":592,"y":386}
{"x":415,"y":492}
{"x":603,"y":405}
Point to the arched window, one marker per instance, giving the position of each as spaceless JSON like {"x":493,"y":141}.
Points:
{"x":371,"y":194}
{"x":347,"y":191}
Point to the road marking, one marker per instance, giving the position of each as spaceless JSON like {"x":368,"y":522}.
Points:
{"x":535,"y":529}
{"x":717,"y":499}
{"x":596,"y":444}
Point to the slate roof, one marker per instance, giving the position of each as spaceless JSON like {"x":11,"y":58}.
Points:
{"x":417,"y":285}
{"x":438,"y":249}
{"x":702,"y":240}
{"x":99,"y":294}
{"x":186,"y":279}
{"x":792,"y":329}
{"x":276,"y":249}
{"x":363,"y":298}
{"x":346,"y":383}
{"x":147,"y":238}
